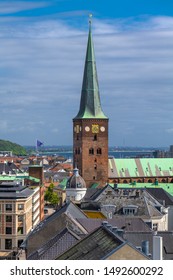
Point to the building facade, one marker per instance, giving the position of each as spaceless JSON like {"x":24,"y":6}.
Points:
{"x":19,"y":213}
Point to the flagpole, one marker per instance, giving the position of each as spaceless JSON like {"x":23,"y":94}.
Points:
{"x":36,"y":149}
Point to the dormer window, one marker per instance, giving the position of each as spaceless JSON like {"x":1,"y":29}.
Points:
{"x":130,"y":210}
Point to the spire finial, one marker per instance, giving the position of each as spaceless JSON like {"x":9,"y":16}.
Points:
{"x":90,"y":20}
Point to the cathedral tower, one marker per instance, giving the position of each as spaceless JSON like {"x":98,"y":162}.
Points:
{"x":90,"y":126}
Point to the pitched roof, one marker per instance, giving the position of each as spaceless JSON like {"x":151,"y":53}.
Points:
{"x":136,"y":239}
{"x":53,"y":225}
{"x":107,"y":197}
{"x":94,"y":246}
{"x":140,"y":167}
{"x":55,"y":246}
{"x":161,"y":195}
{"x":128,"y":224}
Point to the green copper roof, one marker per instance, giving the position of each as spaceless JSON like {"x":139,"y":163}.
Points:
{"x":90,"y":105}
{"x":140,"y":167}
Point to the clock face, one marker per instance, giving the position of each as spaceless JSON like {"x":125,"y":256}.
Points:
{"x":102,"y":128}
{"x":95,"y":128}
{"x":77,"y":128}
{"x":87,"y":128}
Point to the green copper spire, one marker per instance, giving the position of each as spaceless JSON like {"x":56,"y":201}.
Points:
{"x":90,"y":105}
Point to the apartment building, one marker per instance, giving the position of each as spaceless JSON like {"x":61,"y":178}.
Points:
{"x":19,"y":213}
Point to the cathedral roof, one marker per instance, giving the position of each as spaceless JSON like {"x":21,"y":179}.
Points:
{"x":90,"y":105}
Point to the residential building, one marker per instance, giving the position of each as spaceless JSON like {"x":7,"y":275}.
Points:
{"x":128,"y":202}
{"x":55,"y":234}
{"x":19,"y":213}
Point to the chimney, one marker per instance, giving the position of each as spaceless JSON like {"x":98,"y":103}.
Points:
{"x":157,"y":247}
{"x":104,"y":223}
{"x":145,"y":247}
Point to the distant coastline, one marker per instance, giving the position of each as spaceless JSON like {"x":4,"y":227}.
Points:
{"x":116,"y":152}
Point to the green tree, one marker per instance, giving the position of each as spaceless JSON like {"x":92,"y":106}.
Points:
{"x":54,"y":199}
{"x":51,"y":196}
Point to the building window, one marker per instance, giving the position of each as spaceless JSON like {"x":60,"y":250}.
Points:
{"x":20,"y":206}
{"x":95,"y":137}
{"x":8,"y":219}
{"x":8,"y":207}
{"x":130,"y":210}
{"x":20,"y":230}
{"x":91,"y":151}
{"x":155,"y":227}
{"x":20,"y":218}
{"x":8,"y":230}
{"x":20,"y":241}
{"x":77,"y":151}
{"x":8,"y":244}
{"x":99,"y":151}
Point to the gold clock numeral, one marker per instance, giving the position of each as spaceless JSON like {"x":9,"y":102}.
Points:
{"x":95,"y":128}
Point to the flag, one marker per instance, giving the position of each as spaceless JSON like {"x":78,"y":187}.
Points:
{"x":39,"y":143}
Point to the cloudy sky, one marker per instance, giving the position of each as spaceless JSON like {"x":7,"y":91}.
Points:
{"x":42,"y":52}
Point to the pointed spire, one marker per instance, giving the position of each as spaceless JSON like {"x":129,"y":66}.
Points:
{"x":90,"y":105}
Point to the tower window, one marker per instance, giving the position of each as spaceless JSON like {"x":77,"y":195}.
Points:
{"x":99,"y":151}
{"x":91,"y":151}
{"x":77,"y":151}
{"x":95,"y":137}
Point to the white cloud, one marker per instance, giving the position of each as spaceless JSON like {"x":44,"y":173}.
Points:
{"x":18,"y":6}
{"x":169,"y":130}
{"x":41,"y":76}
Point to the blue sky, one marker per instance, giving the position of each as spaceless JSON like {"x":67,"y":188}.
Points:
{"x":42,"y":51}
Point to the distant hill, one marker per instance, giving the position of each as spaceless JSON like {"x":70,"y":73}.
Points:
{"x":15,"y":148}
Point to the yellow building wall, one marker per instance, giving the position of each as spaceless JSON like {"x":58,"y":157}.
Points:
{"x":127,"y":253}
{"x":94,"y":214}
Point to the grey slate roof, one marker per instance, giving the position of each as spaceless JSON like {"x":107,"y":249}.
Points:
{"x":13,"y":190}
{"x":144,"y":201}
{"x":136,"y":239}
{"x":161,"y":195}
{"x":96,"y":246}
{"x":128,"y":224}
{"x":55,"y":246}
{"x":54,"y":225}
{"x":8,"y":167}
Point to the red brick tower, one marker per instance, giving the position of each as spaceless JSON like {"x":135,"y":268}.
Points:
{"x":90,"y":126}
